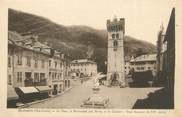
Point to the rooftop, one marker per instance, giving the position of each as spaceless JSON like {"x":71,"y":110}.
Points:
{"x":25,"y":39}
{"x":82,"y":61}
{"x":14,"y":36}
{"x":146,"y":57}
{"x":26,"y":42}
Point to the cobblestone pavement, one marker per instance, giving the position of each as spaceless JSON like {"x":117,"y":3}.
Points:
{"x":120,"y":98}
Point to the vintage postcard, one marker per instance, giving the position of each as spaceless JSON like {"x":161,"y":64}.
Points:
{"x":119,"y":57}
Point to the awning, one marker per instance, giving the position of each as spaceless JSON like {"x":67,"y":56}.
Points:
{"x":11,"y":93}
{"x":43,"y":88}
{"x":26,"y":90}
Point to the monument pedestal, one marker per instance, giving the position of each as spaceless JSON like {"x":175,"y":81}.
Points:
{"x":95,"y":101}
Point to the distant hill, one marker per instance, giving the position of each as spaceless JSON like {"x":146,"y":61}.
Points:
{"x":75,"y":41}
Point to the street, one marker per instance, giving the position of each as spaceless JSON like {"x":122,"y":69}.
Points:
{"x":119,"y":98}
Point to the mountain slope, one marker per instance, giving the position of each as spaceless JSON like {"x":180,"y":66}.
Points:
{"x":77,"y":41}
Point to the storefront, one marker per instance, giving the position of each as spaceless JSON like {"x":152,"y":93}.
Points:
{"x":55,"y":89}
{"x":27,"y":94}
{"x":44,"y":91}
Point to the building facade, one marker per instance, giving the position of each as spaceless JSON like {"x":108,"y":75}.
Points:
{"x":127,"y":65}
{"x":115,"y":57}
{"x":31,"y":63}
{"x":160,"y":51}
{"x":161,"y":48}
{"x":29,"y":66}
{"x":83,"y":67}
{"x":56,"y":74}
{"x":169,"y":58}
{"x":166,"y":94}
{"x":143,"y":71}
{"x":10,"y":62}
{"x":144,"y":63}
{"x":59,"y":72}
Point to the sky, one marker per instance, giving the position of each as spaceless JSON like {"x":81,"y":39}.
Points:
{"x":142,"y":17}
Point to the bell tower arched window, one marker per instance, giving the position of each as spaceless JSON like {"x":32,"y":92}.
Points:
{"x":113,"y":36}
{"x":117,"y":35}
{"x":115,"y":43}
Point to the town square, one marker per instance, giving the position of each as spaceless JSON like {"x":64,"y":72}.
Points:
{"x":91,"y":61}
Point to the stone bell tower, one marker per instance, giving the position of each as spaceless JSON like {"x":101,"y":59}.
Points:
{"x":115,"y":57}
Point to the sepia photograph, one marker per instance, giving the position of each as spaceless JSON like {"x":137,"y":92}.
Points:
{"x":82,"y":54}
